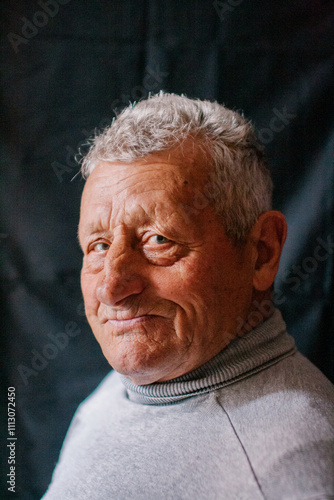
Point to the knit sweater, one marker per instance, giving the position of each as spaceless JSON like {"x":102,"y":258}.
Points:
{"x":255,"y":422}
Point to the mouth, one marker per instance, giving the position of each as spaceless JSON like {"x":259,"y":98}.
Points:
{"x":129,"y":322}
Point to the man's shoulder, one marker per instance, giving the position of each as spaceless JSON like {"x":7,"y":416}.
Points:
{"x":283,"y":417}
{"x":293,"y":382}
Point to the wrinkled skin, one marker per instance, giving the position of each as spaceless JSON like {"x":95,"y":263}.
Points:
{"x":163,"y":288}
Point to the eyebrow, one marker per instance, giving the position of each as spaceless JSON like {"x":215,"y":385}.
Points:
{"x":90,"y":229}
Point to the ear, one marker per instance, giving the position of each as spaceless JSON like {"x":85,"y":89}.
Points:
{"x":268,"y":237}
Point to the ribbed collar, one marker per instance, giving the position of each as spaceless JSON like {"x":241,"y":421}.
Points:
{"x":263,"y":346}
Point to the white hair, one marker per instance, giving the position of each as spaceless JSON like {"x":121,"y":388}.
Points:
{"x":240,"y":186}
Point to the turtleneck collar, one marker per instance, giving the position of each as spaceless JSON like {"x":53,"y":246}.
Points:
{"x":263,"y":346}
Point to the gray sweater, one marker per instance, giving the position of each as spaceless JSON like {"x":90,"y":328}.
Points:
{"x":255,"y":422}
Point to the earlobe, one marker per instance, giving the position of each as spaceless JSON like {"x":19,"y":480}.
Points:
{"x":268,"y":236}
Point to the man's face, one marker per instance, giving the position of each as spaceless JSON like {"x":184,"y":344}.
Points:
{"x":163,"y":286}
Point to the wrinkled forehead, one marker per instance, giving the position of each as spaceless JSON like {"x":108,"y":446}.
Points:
{"x":187,"y":160}
{"x":164,"y":184}
{"x":117,"y":181}
{"x":178,"y":167}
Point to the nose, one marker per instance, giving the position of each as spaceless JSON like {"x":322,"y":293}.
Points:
{"x":120,"y":278}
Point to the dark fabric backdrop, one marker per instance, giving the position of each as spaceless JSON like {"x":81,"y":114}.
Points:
{"x":66,"y":65}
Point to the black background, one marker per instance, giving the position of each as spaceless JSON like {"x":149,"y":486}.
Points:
{"x":61,"y":80}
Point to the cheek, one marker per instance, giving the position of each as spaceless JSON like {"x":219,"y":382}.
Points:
{"x":186,"y":283}
{"x":202,"y":285}
{"x":88,"y":287}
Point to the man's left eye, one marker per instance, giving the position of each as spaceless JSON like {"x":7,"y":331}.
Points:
{"x":100,"y":246}
{"x":158,"y":239}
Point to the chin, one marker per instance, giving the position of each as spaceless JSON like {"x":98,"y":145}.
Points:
{"x":140,"y":375}
{"x":141,"y":365}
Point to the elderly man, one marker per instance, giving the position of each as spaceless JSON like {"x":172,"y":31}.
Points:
{"x":209,"y":398}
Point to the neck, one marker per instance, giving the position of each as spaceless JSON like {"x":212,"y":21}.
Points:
{"x":261,"y":308}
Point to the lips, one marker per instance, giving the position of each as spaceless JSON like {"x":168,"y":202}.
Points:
{"x":129,"y":323}
{"x":126,"y":318}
